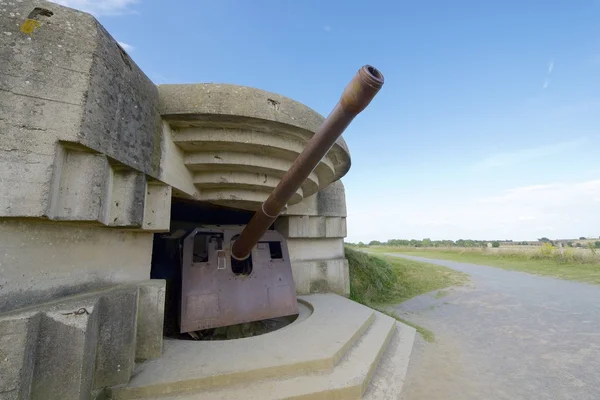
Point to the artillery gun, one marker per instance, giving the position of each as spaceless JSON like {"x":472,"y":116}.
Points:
{"x":236,"y":274}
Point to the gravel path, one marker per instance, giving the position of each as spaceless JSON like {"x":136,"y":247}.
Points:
{"x":506,"y":335}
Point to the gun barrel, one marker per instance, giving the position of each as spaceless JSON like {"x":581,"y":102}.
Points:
{"x":355,"y":98}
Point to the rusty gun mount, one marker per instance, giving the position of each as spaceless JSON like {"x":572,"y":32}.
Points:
{"x":355,"y":98}
{"x":236,"y":274}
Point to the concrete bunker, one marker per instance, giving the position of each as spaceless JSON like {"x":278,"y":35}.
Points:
{"x":94,"y":206}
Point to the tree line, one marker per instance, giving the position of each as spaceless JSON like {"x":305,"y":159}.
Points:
{"x":466,"y":243}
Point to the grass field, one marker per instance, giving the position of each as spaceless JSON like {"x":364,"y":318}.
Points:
{"x":379,"y":282}
{"x":581,"y":267}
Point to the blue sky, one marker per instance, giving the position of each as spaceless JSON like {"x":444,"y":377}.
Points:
{"x":488,"y":125}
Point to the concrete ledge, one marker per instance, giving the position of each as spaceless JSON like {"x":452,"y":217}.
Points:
{"x":188,"y":365}
{"x":87,"y":187}
{"x":239,"y":141}
{"x":44,"y":261}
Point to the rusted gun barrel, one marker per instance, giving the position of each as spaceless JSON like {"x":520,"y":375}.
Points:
{"x":355,"y":98}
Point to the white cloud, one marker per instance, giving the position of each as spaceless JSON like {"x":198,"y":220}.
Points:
{"x":556,"y":210}
{"x":545,"y":84}
{"x":550,"y":67}
{"x":127,"y":47}
{"x":519,"y":156}
{"x":99,"y":7}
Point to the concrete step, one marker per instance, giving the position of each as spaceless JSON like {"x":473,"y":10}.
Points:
{"x":388,"y":381}
{"x":348,"y":380}
{"x":315,"y":344}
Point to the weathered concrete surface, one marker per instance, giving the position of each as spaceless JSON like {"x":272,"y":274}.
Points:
{"x":197,"y":102}
{"x":328,"y":202}
{"x":509,"y":335}
{"x":67,"y":80}
{"x":41,"y":261}
{"x":348,"y":380}
{"x":127,"y":199}
{"x":325,"y":276}
{"x":319,"y":265}
{"x":238,"y":142}
{"x":117,"y":332}
{"x":82,"y":187}
{"x":338,"y":363}
{"x":315,"y":229}
{"x":150,"y":318}
{"x":388,"y":381}
{"x":65,"y":354}
{"x":188,"y":365}
{"x":331,"y":201}
{"x":157,"y":207}
{"x":311,"y":227}
{"x":68,"y":348}
{"x":18,"y":338}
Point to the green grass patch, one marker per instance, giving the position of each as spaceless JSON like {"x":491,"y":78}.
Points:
{"x":427,"y":335}
{"x":535,"y":261}
{"x":379,"y":282}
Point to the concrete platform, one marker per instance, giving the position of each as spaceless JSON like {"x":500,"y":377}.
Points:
{"x":333,"y":353}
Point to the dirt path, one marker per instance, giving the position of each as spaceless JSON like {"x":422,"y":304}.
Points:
{"x":507,"y":335}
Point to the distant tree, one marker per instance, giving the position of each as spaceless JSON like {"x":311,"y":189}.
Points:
{"x":427,"y":242}
{"x":544,"y":240}
{"x":570,"y":243}
{"x":361,"y":244}
{"x":582,"y":238}
{"x":578,"y":245}
{"x":597,"y":244}
{"x":374,"y":243}
{"x":495,"y":244}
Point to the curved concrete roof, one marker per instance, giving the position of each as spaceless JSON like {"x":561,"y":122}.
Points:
{"x":239,"y":141}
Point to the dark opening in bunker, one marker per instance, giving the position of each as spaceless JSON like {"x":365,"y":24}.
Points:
{"x":242,"y":267}
{"x":275,"y":250}
{"x":167,"y":258}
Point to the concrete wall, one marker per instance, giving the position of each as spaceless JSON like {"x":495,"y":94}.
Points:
{"x":79,"y":121}
{"x":91,"y":146}
{"x":238,"y":142}
{"x":41,"y":261}
{"x":315,"y":230}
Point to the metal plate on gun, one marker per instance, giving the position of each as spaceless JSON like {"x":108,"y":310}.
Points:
{"x":214,"y":295}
